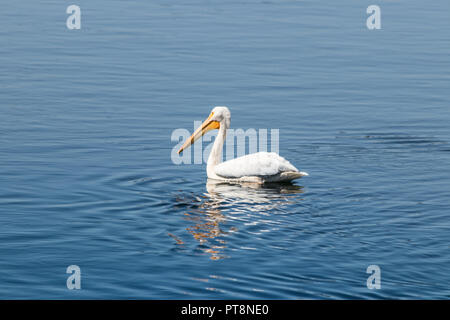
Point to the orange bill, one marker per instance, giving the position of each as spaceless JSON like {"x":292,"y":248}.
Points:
{"x":206,"y":126}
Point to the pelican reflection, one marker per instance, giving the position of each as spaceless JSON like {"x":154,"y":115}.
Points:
{"x":213,"y":216}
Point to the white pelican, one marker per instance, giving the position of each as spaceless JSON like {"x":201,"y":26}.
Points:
{"x":258,"y":167}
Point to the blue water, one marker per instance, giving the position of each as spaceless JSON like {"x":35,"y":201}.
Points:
{"x":86,"y":176}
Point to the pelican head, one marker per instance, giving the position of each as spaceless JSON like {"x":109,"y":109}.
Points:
{"x":218,"y":118}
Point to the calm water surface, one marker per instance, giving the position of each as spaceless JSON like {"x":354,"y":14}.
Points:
{"x":86,"y":176}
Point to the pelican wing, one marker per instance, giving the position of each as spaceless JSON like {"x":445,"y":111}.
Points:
{"x":256,"y":164}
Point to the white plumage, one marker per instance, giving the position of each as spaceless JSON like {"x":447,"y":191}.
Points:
{"x":259,"y":167}
{"x":256,"y":164}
